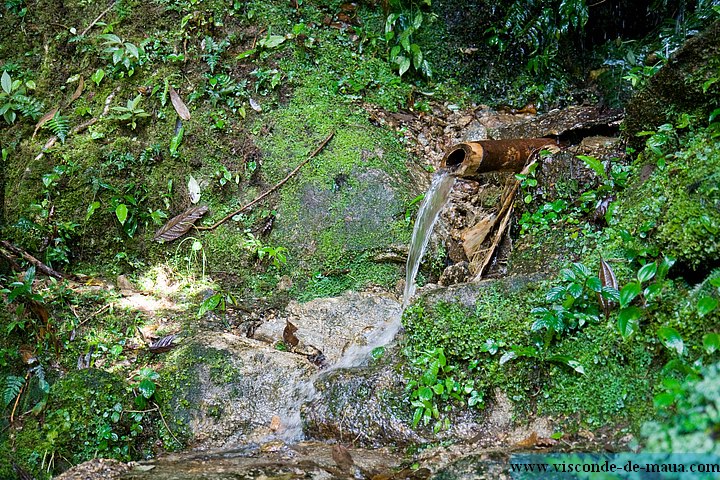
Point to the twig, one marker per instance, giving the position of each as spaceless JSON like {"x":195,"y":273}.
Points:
{"x":92,"y":24}
{"x":278,"y":185}
{"x":38,"y":264}
{"x":166,"y":425}
{"x":17,"y":400}
{"x":98,"y":312}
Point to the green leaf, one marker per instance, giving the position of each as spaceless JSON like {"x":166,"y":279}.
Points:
{"x":647,"y":272}
{"x":507,"y":356}
{"x":98,"y":76}
{"x":272,"y":41}
{"x":629,"y":292}
{"x":417,"y":416}
{"x":133,"y":50}
{"x":575,"y":289}
{"x":663,"y":400}
{"x":711,"y":343}
{"x":707,"y":305}
{"x":627,"y":320}
{"x":425,"y":393}
{"x":404,"y":64}
{"x":569,"y":361}
{"x":671,"y":339}
{"x":147,"y":388}
{"x":6,"y":82}
{"x":595,"y":164}
{"x":121,"y":212}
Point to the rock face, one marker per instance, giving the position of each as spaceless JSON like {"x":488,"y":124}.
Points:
{"x":680,"y":85}
{"x":225,"y":390}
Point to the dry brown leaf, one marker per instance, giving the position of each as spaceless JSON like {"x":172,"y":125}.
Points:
{"x":165,"y":344}
{"x":178,"y":226}
{"x":43,"y":120}
{"x":607,"y":279}
{"x":289,"y":335}
{"x":179,"y":105}
{"x":529,"y":442}
{"x":78,"y":91}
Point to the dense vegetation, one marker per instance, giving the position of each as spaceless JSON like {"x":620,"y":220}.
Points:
{"x":95,"y":158}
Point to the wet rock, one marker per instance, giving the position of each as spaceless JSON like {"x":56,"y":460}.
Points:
{"x":333,"y":324}
{"x":458,"y":273}
{"x":96,"y":469}
{"x":560,"y":122}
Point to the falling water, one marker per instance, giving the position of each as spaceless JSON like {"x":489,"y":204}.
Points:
{"x":435,"y":199}
{"x":303,"y":390}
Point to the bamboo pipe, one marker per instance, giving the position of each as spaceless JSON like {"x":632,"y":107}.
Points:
{"x":473,"y":158}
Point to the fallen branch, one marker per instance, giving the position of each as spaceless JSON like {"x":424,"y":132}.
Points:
{"x":40,"y":266}
{"x":92,"y":24}
{"x":166,"y":425}
{"x":278,"y":185}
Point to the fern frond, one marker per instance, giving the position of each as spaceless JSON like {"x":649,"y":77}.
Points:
{"x":12,"y":388}
{"x":59,"y":126}
{"x":30,"y":107}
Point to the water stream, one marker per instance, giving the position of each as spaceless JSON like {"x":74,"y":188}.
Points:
{"x":435,"y":199}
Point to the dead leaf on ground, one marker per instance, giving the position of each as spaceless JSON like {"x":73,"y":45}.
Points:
{"x":78,"y":91}
{"x":163,"y":345}
{"x":529,"y":442}
{"x":607,"y":279}
{"x":289,"y":335}
{"x":179,"y":105}
{"x":178,"y":226}
{"x":44,"y":119}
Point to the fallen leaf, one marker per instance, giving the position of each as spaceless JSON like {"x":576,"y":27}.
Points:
{"x":193,"y":190}
{"x":78,"y":91}
{"x":274,"y":423}
{"x":178,"y":226}
{"x":255,"y":105}
{"x":44,"y":119}
{"x":179,"y":105}
{"x":289,"y":335}
{"x":163,"y":345}
{"x":529,"y":442}
{"x":607,"y":279}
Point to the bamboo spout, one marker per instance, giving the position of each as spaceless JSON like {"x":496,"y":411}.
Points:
{"x":473,"y":158}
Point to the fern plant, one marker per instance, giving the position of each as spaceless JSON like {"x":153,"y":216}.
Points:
{"x":14,"y":99}
{"x":12,"y":388}
{"x":59,"y":126}
{"x":213,"y":51}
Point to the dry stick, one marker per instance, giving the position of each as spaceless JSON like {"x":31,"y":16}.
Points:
{"x":38,"y":264}
{"x":280,"y":184}
{"x":505,"y":212}
{"x":92,"y":24}
{"x":17,"y":400}
{"x":166,"y":425}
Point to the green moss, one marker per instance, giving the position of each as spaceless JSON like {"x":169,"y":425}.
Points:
{"x":675,"y":209}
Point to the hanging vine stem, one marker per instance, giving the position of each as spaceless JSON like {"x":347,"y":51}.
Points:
{"x":278,"y":185}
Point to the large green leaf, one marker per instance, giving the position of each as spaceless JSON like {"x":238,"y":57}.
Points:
{"x":671,"y":339}
{"x":707,"y":305}
{"x":647,"y":272}
{"x":711,"y":343}
{"x":121,"y":212}
{"x":629,"y":292}
{"x":627,"y":320}
{"x":6,"y":82}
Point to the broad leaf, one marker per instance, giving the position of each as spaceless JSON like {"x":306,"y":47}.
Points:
{"x":627,"y":320}
{"x":6,"y":82}
{"x":711,"y":343}
{"x":178,"y":226}
{"x":628,"y":293}
{"x":595,"y":164}
{"x":647,"y":272}
{"x":193,"y":190}
{"x":569,"y":361}
{"x":179,"y":105}
{"x":164,"y":344}
{"x":707,"y":305}
{"x":671,"y":339}
{"x":121,"y":212}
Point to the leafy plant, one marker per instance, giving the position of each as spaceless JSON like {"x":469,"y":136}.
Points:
{"x":14,"y":99}
{"x":146,"y":385}
{"x":122,"y":53}
{"x":217,"y":301}
{"x":213,"y":50}
{"x":59,"y":126}
{"x":403,"y":21}
{"x":130,"y":113}
{"x":11,"y":388}
{"x":437,"y":384}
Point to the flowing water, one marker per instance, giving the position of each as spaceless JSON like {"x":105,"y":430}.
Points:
{"x":435,"y":199}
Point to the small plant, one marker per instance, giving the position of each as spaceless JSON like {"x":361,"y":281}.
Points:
{"x":405,"y":19}
{"x":146,"y":385}
{"x":213,"y":50}
{"x":437,"y":385}
{"x":217,"y":301}
{"x":122,"y":53}
{"x":59,"y":126}
{"x":130,"y":113}
{"x":14,"y":99}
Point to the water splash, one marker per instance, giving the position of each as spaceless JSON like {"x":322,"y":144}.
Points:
{"x":435,"y":199}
